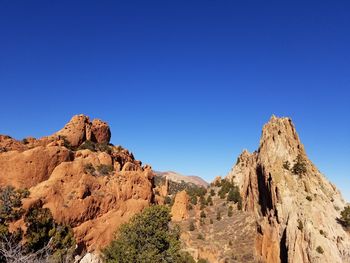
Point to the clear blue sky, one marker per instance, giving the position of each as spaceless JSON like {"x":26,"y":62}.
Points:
{"x":185,"y":85}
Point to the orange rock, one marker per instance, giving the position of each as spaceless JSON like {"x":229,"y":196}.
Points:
{"x":100,"y":131}
{"x":179,"y":210}
{"x":28,"y":168}
{"x":68,"y":182}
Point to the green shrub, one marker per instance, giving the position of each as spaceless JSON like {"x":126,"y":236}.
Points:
{"x":87,"y":145}
{"x":212,"y":192}
{"x":300,"y":225}
{"x":103,"y":147}
{"x":167,"y":200}
{"x":40,"y":226}
{"x":193,"y":200}
{"x":202,"y":202}
{"x":146,"y":238}
{"x":200,"y":236}
{"x":105,"y":169}
{"x":345,"y":216}
{"x":320,"y":250}
{"x":286,"y":165}
{"x":11,"y":203}
{"x":203,"y":215}
{"x":209,"y":200}
{"x":309,"y":198}
{"x":299,"y":166}
{"x":89,"y":169}
{"x":186,"y":258}
{"x":66,"y":143}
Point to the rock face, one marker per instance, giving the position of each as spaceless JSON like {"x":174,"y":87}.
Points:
{"x":80,"y":129}
{"x":94,"y":190}
{"x":179,"y":210}
{"x":28,"y":168}
{"x":295,"y":206}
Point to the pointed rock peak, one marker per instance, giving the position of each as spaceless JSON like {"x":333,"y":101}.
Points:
{"x":80,"y":129}
{"x":279,"y":138}
{"x":245,"y":154}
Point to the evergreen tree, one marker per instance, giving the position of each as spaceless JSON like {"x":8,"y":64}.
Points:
{"x":146,"y":238}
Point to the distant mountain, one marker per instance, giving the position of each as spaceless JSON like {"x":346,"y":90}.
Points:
{"x":177,"y":177}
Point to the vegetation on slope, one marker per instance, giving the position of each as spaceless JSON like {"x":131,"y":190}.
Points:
{"x":43,"y":239}
{"x":147,"y":237}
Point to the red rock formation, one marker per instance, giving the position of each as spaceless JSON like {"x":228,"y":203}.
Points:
{"x":92,"y":191}
{"x":179,"y":210}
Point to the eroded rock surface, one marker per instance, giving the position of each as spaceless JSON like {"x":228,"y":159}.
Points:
{"x":295,"y":206}
{"x":85,"y":182}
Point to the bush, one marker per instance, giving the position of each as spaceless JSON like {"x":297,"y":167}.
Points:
{"x":320,"y":250}
{"x":209,"y":200}
{"x":286,"y":165}
{"x":103,"y":147}
{"x":11,"y":203}
{"x":66,"y":143}
{"x":193,"y":200}
{"x":212,"y":192}
{"x":89,"y":169}
{"x":105,"y":169}
{"x":146,"y":238}
{"x":186,"y":258}
{"x":203,"y":215}
{"x":42,"y":229}
{"x":87,"y":145}
{"x":345,"y":216}
{"x":167,"y":200}
{"x":299,"y":166}
{"x":300,"y":225}
{"x":309,"y":198}
{"x":42,"y":232}
{"x":200,"y":236}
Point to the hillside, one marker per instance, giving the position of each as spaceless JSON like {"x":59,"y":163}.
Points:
{"x":178,"y":178}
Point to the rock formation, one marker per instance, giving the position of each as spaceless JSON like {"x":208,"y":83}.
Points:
{"x":179,"y":210}
{"x":85,"y":182}
{"x":296,"y":207}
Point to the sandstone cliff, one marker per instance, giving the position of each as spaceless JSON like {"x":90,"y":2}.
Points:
{"x":296,"y":207}
{"x":85,"y":181}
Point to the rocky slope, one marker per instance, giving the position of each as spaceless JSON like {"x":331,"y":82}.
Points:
{"x":216,"y":236}
{"x":178,"y":178}
{"x":85,"y":182}
{"x":296,"y":207}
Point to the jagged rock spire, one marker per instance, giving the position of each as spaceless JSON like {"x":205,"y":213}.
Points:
{"x":291,"y":208}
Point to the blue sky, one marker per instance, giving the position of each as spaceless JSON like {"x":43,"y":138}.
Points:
{"x":185,"y":85}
